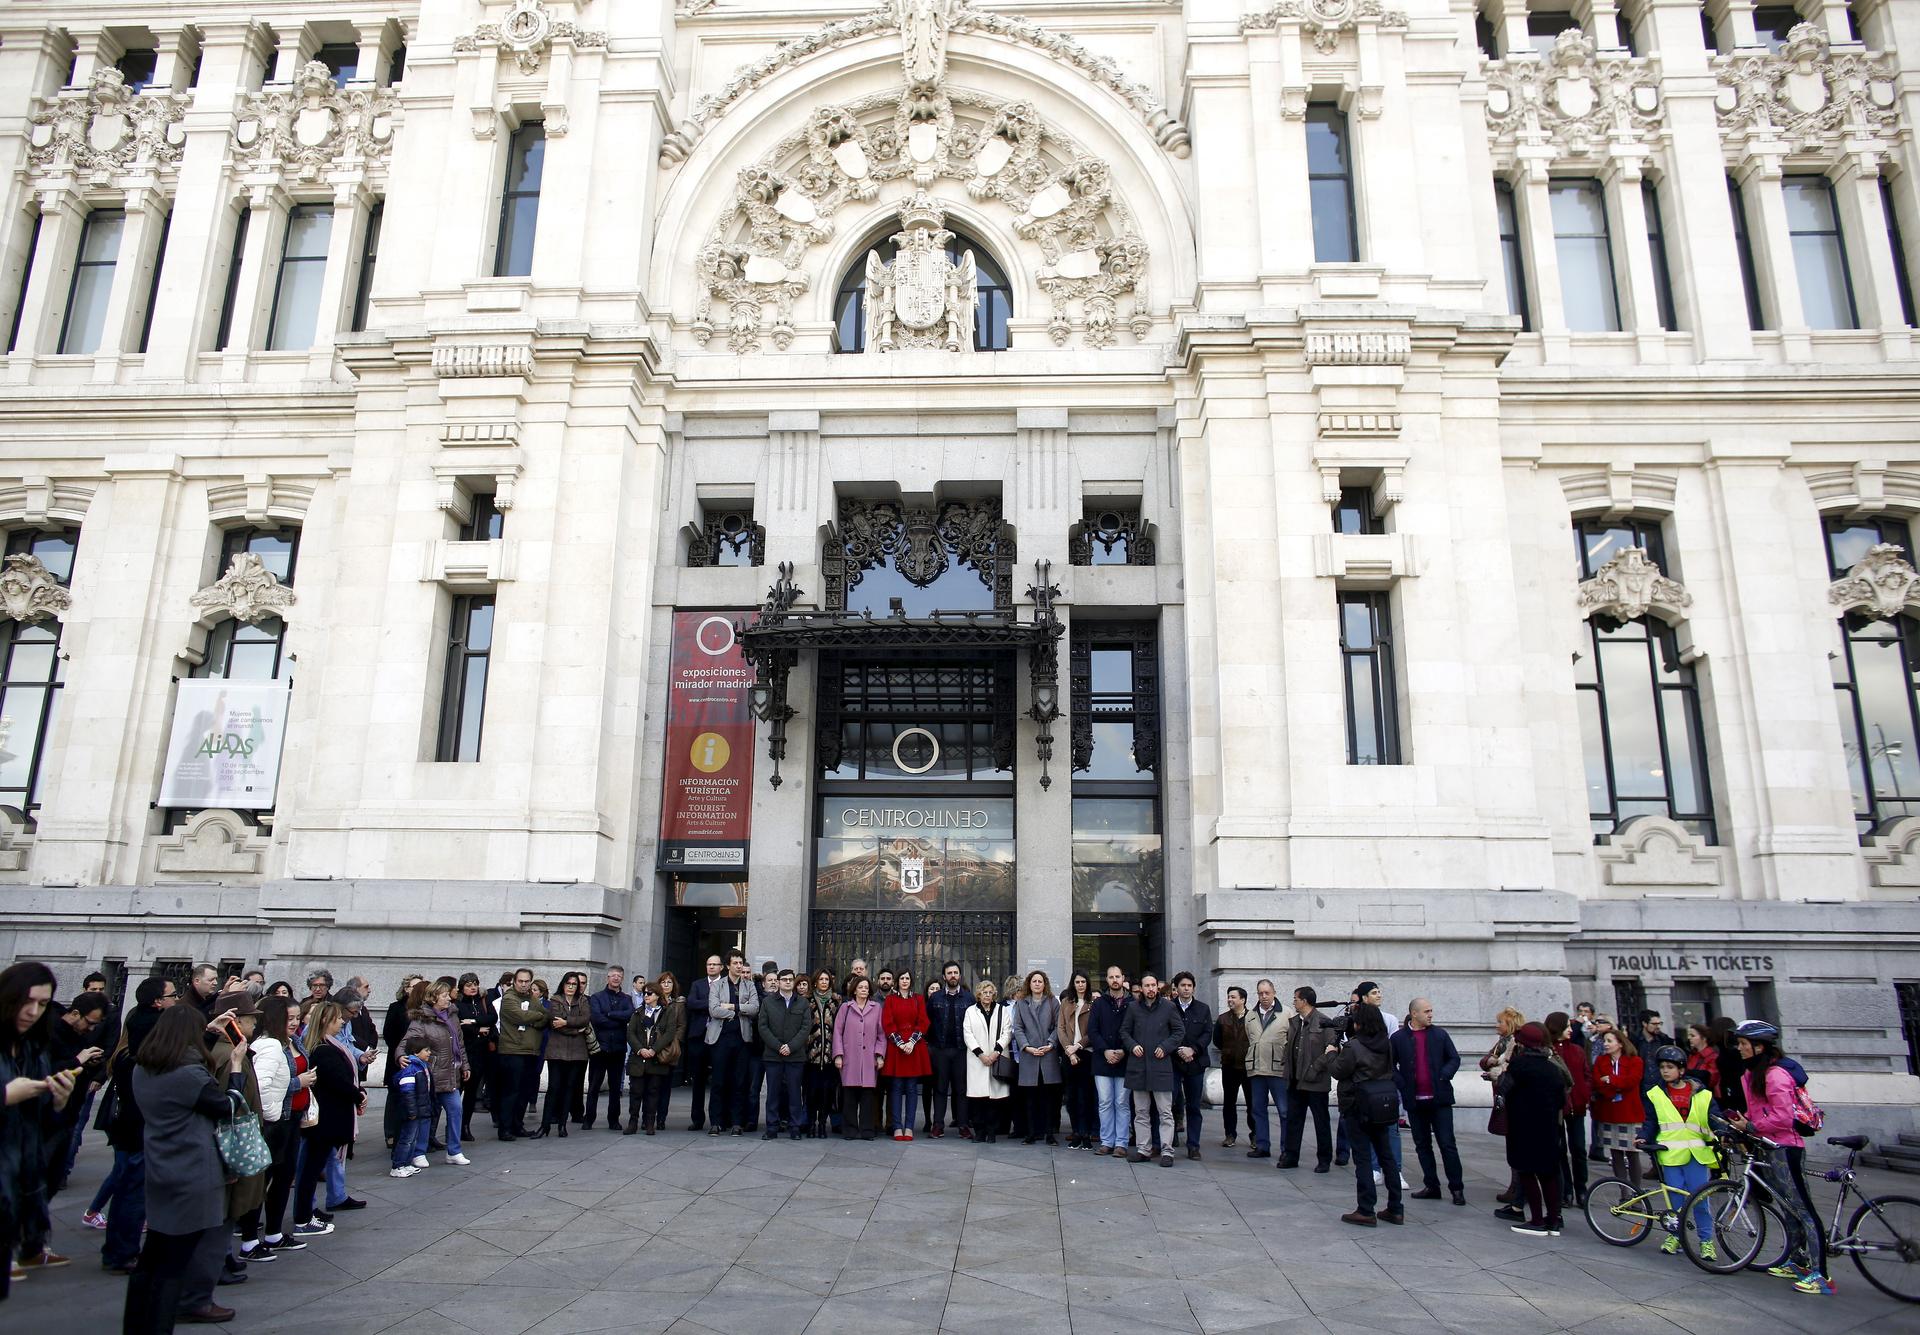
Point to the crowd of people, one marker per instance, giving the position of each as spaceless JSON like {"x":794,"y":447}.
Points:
{"x":234,"y":1108}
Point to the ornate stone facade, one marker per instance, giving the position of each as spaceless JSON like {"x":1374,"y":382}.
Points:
{"x":312,"y":130}
{"x":105,"y":133}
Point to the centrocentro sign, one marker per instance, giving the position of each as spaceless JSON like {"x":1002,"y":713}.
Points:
{"x":224,"y":750}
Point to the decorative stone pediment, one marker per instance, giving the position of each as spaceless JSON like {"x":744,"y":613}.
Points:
{"x":29,"y":592}
{"x":1325,"y":21}
{"x":945,"y":17}
{"x":1650,"y":852}
{"x":106,"y":130}
{"x":1629,"y":587}
{"x":1575,"y":102}
{"x":1881,"y":585}
{"x":527,"y":32}
{"x":312,"y":129}
{"x":213,"y":843}
{"x":247,"y":592}
{"x":1807,"y":94}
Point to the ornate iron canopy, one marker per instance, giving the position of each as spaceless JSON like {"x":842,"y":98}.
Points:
{"x":773,"y":645}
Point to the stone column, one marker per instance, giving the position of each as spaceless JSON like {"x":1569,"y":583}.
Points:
{"x":132,"y":280}
{"x":93,"y":49}
{"x":62,"y":216}
{"x":288,"y":49}
{"x":373,"y":41}
{"x":1735,"y":18}
{"x":1633,"y":257}
{"x":1863,"y":225}
{"x":266,"y":229}
{"x":1832,"y":16}
{"x":1602,"y":21}
{"x":1773,"y":263}
{"x":351,"y":205}
{"x":171,"y":68}
{"x":1230,"y":236}
{"x":1279,"y":150}
{"x":1509,"y":19}
{"x":1540,"y":253}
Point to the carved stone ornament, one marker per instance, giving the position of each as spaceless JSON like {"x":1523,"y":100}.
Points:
{"x":1881,"y":585}
{"x":932,"y":20}
{"x":1630,"y":586}
{"x":213,"y":843}
{"x":1576,"y":101}
{"x":1325,"y":21}
{"x":526,"y":34}
{"x":313,"y":128}
{"x":1808,"y":95}
{"x":921,"y":299}
{"x":29,"y":593}
{"x":106,"y":129}
{"x":248,"y":592}
{"x":754,"y":260}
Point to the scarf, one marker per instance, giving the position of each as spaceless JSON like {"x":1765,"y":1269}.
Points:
{"x":453,"y":1027}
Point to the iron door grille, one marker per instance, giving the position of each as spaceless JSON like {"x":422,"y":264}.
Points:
{"x":891,"y":938}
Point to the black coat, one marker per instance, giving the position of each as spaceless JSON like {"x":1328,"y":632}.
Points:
{"x":1197,"y":1033}
{"x":1535,"y":1091}
{"x":339,"y":1094}
{"x":476,"y":1013}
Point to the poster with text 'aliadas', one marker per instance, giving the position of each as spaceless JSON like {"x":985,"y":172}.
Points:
{"x":225,"y":747}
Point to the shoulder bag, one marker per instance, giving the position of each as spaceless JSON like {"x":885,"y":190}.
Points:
{"x":242,"y":1146}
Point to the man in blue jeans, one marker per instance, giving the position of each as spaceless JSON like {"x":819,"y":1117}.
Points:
{"x":1266,"y":1066}
{"x":1190,"y":1054}
{"x":1110,"y":1061}
{"x":1424,"y":1063}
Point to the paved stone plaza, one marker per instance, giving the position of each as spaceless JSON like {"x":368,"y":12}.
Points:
{"x":688,"y":1234}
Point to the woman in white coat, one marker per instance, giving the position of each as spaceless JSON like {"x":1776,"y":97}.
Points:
{"x":988,"y":1036}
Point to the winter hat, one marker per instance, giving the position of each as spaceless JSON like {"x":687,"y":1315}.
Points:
{"x":1531,"y":1035}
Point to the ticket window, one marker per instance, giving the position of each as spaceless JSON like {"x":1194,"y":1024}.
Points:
{"x":1695,"y":1001}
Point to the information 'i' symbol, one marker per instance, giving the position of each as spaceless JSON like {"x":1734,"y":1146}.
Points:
{"x":710,"y":753}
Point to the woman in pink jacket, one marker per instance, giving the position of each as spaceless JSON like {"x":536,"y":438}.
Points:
{"x":1770,"y":1112}
{"x":859,"y":1046}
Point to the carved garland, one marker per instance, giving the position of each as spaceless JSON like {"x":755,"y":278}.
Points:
{"x":107,"y":129}
{"x":953,"y":16}
{"x":313,"y":129}
{"x":1095,"y":259}
{"x":1575,"y":100}
{"x":1879,"y":586}
{"x":248,"y":592}
{"x":527,"y":33}
{"x":1325,"y":21}
{"x":1807,"y":94}
{"x":1630,"y":586}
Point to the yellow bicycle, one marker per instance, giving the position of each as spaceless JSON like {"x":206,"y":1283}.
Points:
{"x":1624,"y":1215}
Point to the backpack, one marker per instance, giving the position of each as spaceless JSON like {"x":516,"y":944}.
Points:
{"x":1379,"y":1101}
{"x":1807,"y":1116}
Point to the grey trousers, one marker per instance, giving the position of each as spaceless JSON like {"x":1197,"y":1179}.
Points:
{"x":1148,"y":1105}
{"x":202,"y":1272}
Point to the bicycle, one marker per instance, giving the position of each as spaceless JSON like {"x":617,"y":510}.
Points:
{"x":1623,"y":1215}
{"x":1882,"y":1236}
{"x":1742,"y":1208}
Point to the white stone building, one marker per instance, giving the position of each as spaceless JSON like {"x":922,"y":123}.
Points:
{"x":1473,"y":453}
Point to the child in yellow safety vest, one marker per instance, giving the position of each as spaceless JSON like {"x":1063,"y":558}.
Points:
{"x":1679,"y":1131}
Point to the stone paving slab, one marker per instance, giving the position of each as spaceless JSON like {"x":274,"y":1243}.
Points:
{"x":680,"y":1234}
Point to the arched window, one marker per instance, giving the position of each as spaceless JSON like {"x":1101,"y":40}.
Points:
{"x":992,"y":306}
{"x":252,"y":650}
{"x":1874,"y":686}
{"x":1639,"y":704}
{"x":32,"y":674}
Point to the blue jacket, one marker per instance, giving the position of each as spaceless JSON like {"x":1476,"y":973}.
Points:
{"x":697,"y":1011}
{"x":1443,"y":1061}
{"x":1103,"y":1031}
{"x":945,"y":1015}
{"x":610,"y":1011}
{"x":413,"y":1086}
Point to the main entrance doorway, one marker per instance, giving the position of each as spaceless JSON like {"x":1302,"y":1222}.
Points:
{"x":705,"y":918}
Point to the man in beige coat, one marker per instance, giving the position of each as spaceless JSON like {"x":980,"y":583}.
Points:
{"x":1266,"y":1067}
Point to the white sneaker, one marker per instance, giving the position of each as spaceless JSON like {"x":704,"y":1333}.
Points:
{"x":460,"y":1159}
{"x":407,"y":1171}
{"x":419,"y":1161}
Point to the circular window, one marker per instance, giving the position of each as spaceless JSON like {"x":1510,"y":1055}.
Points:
{"x":916,"y":751}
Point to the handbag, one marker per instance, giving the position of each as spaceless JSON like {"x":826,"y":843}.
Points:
{"x":243,"y":1149}
{"x":1497,"y":1119}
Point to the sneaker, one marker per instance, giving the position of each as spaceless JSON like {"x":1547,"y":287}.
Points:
{"x":16,"y":1272}
{"x":288,"y":1243}
{"x":351,"y":1203}
{"x":460,"y":1159}
{"x":46,"y":1260}
{"x":419,"y":1161}
{"x":907,"y":1134}
{"x":1707,"y":1252}
{"x":1784,"y":1271}
{"x":1814,"y":1282}
{"x":258,"y":1252}
{"x":1510,"y":1214}
{"x":1670,"y":1246}
{"x":1531,"y":1230}
{"x":408,"y":1171}
{"x":316,"y":1229}
{"x":94,"y":1219}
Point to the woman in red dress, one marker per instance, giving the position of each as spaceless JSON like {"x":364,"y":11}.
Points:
{"x":904,"y":1021}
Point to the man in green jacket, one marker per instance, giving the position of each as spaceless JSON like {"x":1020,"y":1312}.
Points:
{"x":521,"y":1020}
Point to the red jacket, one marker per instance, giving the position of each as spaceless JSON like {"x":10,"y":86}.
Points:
{"x":1575,"y":1056}
{"x":1707,"y":1062}
{"x":1616,"y":1086}
{"x":903,"y":1018}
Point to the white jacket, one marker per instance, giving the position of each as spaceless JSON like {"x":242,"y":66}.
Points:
{"x":271,"y":1069}
{"x":981,"y":1033}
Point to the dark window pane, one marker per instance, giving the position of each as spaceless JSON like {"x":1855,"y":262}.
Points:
{"x":1743,"y":243}
{"x":1593,"y":747}
{"x":137,"y":67}
{"x":1683,"y":753}
{"x":342,"y":60}
{"x":1330,"y":185}
{"x":472,"y":705}
{"x":480,"y":626}
{"x":1544,"y":27}
{"x":86,"y":319}
{"x":1772,"y":23}
{"x":520,"y":202}
{"x":1902,"y":277}
{"x":1882,"y":681}
{"x":1657,"y":245}
{"x":1364,"y":711}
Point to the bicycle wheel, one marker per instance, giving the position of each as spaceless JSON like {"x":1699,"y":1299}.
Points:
{"x":1619,"y":1214}
{"x":1773,"y":1253}
{"x":1739,"y":1222}
{"x":1884,"y":1237}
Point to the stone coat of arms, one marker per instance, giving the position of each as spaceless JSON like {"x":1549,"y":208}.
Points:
{"x":922,"y":299}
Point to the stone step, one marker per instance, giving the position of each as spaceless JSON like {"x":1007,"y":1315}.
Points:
{"x":1905,"y":1151}
{"x":1903,"y":1165}
{"x":1910,"y":1138}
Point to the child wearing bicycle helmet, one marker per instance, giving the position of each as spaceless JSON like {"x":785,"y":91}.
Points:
{"x":1770,"y":1113}
{"x":1678,"y":1130}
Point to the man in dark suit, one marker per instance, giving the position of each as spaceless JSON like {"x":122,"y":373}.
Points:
{"x":1190,"y":1054}
{"x":1424,"y":1063}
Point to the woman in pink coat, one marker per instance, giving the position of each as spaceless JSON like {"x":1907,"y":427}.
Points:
{"x":859,"y":1046}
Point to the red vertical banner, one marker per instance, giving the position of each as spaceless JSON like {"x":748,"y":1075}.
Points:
{"x":706,"y":804}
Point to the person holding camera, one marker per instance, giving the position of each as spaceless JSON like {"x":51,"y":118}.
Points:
{"x":1309,"y":1033}
{"x":1369,"y":1108}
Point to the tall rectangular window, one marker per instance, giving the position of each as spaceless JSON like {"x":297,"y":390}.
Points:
{"x":1902,"y":277}
{"x":1330,"y":185}
{"x":469,"y":650}
{"x":230,"y":299}
{"x":1819,"y":253}
{"x":303,"y":268}
{"x":153,"y":288}
{"x":137,"y":67}
{"x":369,"y":257}
{"x":1772,"y":23}
{"x":1743,"y":247}
{"x":1657,"y":245}
{"x":26,"y":277}
{"x":1874,"y":680}
{"x":1585,"y":253}
{"x":342,"y":60}
{"x":1366,"y":657}
{"x":1512,"y":256}
{"x":1353,"y":512}
{"x":520,"y":202}
{"x":252,"y":650}
{"x":32,"y":674}
{"x":86,"y":320}
{"x":1545,"y":27}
